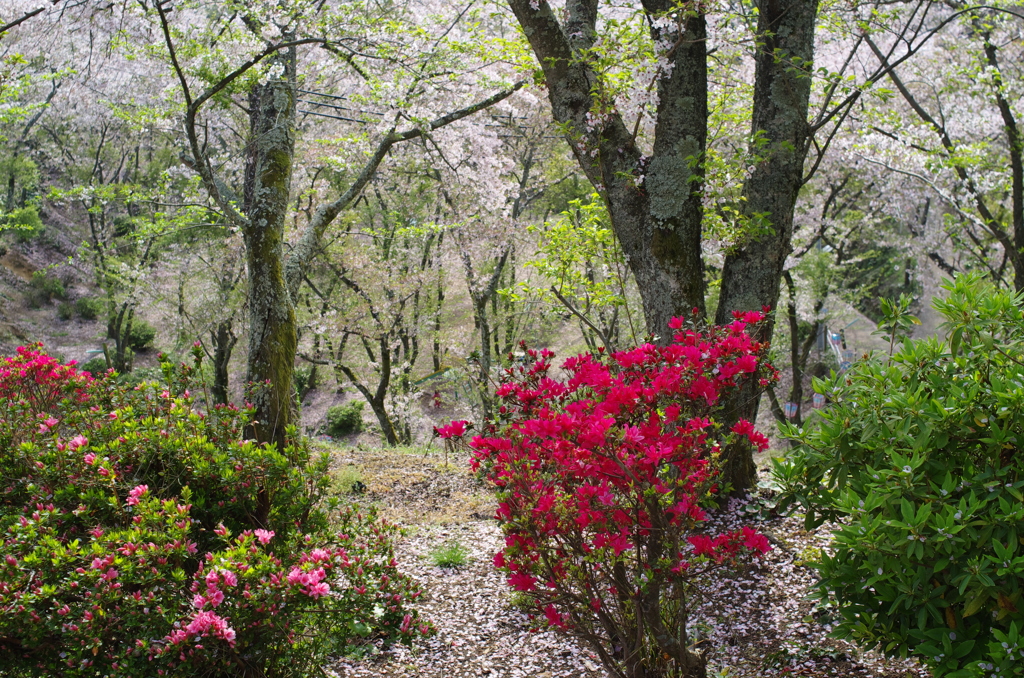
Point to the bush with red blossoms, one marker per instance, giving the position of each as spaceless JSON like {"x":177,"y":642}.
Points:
{"x":142,"y":536}
{"x":603,"y":480}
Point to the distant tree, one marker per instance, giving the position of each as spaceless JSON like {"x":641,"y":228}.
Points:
{"x":267,"y":74}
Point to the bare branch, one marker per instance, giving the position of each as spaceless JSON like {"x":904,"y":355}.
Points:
{"x":309,"y":243}
{"x":21,"y":19}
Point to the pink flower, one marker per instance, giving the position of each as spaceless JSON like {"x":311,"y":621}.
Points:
{"x":78,"y":441}
{"x":264,"y":536}
{"x":755,"y":541}
{"x":136,"y":492}
{"x":316,"y":590}
{"x":746,"y":429}
{"x":554,"y":616}
{"x":455,"y":429}
{"x":298,"y":577}
{"x":90,"y":458}
{"x":522,"y":582}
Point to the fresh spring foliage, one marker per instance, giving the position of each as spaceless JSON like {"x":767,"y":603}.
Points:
{"x":603,"y":480}
{"x":143,"y":536}
{"x":919,"y":459}
{"x":579,"y":255}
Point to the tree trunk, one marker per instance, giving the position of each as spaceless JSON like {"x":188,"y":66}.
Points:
{"x":753,"y":271}
{"x":223,"y":343}
{"x":272,"y":333}
{"x":656,"y":203}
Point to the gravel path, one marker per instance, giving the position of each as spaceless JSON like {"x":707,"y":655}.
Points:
{"x":479,"y":633}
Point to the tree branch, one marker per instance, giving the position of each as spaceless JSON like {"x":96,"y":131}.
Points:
{"x":309,"y":243}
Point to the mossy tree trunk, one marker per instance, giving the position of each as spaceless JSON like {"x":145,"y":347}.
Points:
{"x":273,"y":280}
{"x":752,"y":274}
{"x":268,"y":174}
{"x":656,"y":201}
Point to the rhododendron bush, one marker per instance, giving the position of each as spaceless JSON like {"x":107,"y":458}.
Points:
{"x":603,"y":482}
{"x":142,"y":536}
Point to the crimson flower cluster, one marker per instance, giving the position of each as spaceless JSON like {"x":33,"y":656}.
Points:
{"x":604,"y":478}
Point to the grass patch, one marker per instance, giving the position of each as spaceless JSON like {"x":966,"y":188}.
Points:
{"x":347,"y":479}
{"x":450,"y":553}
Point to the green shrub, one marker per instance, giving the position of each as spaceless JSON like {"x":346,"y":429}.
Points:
{"x":919,"y":458}
{"x":42,"y":288}
{"x":345,"y":419}
{"x":24,"y":222}
{"x":95,"y":366}
{"x":145,"y":536}
{"x":301,"y":377}
{"x":89,"y":308}
{"x":141,"y":335}
{"x":65,"y":310}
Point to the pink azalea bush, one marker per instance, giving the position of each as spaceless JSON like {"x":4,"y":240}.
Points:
{"x":142,"y":536}
{"x":603,"y":480}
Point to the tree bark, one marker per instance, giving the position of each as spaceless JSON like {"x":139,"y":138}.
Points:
{"x":272,"y":333}
{"x":752,"y":273}
{"x":223,"y":340}
{"x":656,"y":203}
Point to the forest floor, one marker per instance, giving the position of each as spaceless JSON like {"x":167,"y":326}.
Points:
{"x":755,"y":623}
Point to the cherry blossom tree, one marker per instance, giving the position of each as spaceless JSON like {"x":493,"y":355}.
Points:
{"x":408,"y":82}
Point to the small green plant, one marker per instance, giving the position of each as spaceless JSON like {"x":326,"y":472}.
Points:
{"x":348,"y":480}
{"x":519,"y":600}
{"x":450,"y":553}
{"x":65,"y":310}
{"x":343,"y":420}
{"x":140,"y":336}
{"x":95,"y":366}
{"x":89,"y":307}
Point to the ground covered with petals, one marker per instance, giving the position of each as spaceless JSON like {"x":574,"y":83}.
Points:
{"x":755,"y":623}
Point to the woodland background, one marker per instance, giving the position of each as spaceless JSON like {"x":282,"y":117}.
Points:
{"x":377,"y":202}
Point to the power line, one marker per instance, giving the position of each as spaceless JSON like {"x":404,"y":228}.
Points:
{"x":333,"y":117}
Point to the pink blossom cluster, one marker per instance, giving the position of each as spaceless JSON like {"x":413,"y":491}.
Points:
{"x":40,"y":380}
{"x":204,"y":623}
{"x":311,"y":581}
{"x":136,"y":494}
{"x":455,"y":429}
{"x":614,"y":465}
